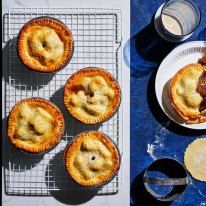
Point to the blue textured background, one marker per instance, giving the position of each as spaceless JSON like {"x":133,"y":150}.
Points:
{"x":149,"y":125}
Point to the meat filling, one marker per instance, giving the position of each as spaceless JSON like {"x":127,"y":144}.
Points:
{"x":202,"y":106}
{"x":201,"y":88}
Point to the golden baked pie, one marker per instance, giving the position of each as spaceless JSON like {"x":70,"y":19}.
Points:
{"x":91,"y":159}
{"x":195,"y":159}
{"x":188,"y":93}
{"x":92,"y":95}
{"x":45,"y":44}
{"x":35,"y":125}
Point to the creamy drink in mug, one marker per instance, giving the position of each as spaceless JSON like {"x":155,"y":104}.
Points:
{"x":180,"y":18}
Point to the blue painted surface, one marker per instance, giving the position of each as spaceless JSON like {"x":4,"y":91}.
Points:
{"x":150,"y":127}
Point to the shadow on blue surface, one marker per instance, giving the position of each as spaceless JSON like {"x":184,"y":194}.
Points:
{"x":140,"y":196}
{"x":148,"y":50}
{"x":202,"y":34}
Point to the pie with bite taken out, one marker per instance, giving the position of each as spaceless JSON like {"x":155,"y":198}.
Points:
{"x":91,"y":159}
{"x":45,"y":44}
{"x":35,"y":125}
{"x":92,"y":95}
{"x":188,"y":93}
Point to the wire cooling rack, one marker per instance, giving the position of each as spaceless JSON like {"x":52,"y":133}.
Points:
{"x":97,"y":35}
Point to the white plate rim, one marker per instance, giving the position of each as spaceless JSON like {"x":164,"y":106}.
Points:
{"x":172,"y":54}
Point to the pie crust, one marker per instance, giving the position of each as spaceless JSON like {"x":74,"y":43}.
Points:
{"x":184,"y":93}
{"x":92,"y":95}
{"x":92,"y":159}
{"x":35,"y":125}
{"x":45,"y":44}
{"x":195,"y":159}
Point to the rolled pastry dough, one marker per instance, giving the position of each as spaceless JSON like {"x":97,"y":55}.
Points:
{"x":195,"y":159}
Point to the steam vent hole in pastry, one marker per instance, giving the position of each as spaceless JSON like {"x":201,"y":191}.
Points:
{"x":91,"y":159}
{"x":35,"y":125}
{"x":45,"y":44}
{"x":92,"y":95}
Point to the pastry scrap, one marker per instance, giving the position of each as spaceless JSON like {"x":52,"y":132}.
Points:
{"x":188,"y":93}
{"x":45,"y":45}
{"x":92,"y":95}
{"x":35,"y":125}
{"x":195,"y":159}
{"x":92,"y":159}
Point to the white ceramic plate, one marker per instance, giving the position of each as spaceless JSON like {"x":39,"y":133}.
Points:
{"x":182,"y":55}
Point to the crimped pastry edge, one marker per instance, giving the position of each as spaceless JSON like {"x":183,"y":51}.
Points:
{"x":70,"y":150}
{"x":187,"y":116}
{"x":55,"y":139}
{"x":115,"y":104}
{"x":68,"y":42}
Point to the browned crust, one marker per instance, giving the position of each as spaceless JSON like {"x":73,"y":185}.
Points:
{"x":76,"y":78}
{"x":28,"y":146}
{"x":63,"y":32}
{"x":189,"y":117}
{"x":73,"y":147}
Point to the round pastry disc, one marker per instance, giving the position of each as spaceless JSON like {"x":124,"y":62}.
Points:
{"x":195,"y":159}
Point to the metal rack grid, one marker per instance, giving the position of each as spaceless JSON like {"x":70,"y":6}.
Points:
{"x":97,"y":35}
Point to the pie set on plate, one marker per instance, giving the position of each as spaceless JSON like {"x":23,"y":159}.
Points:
{"x":181,"y":92}
{"x":188,"y":93}
{"x":180,"y":85}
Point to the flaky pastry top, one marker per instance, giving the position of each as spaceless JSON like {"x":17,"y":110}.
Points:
{"x":91,"y":158}
{"x":185,"y":95}
{"x":91,"y":95}
{"x":35,"y":125}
